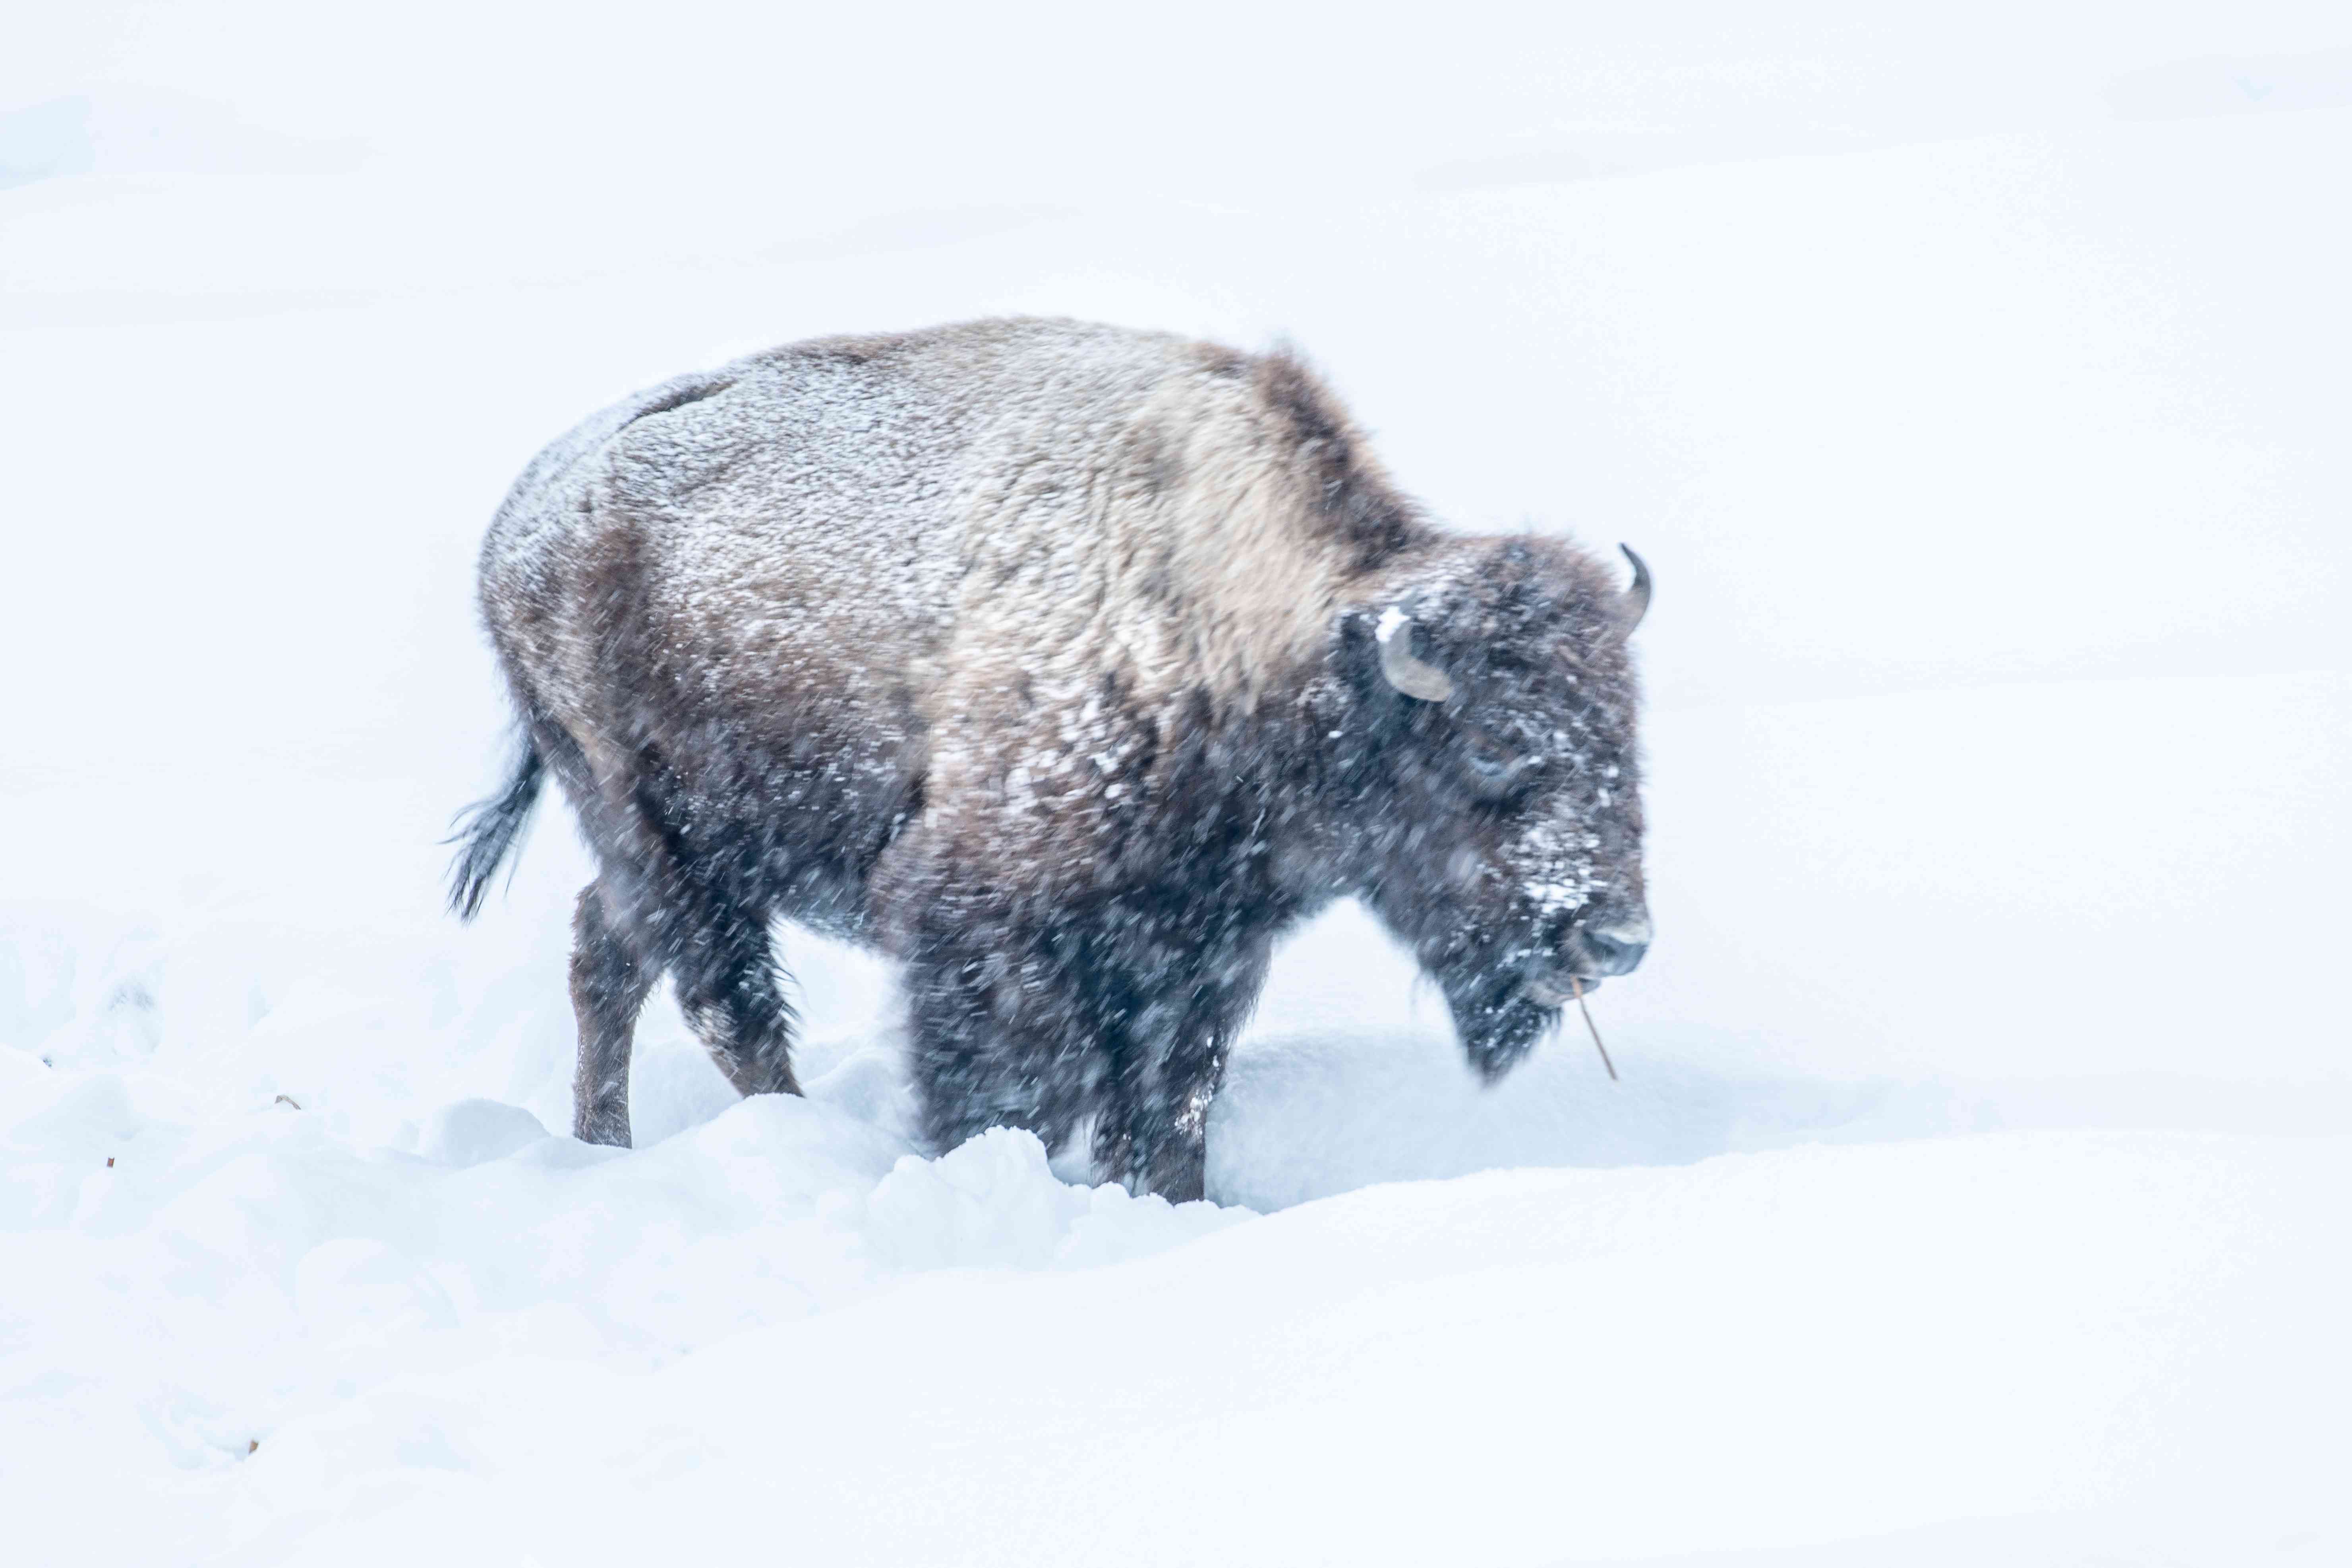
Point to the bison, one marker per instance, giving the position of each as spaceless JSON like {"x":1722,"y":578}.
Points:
{"x":1069,"y":665}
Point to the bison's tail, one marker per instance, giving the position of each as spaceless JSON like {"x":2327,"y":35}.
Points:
{"x":487,"y":830}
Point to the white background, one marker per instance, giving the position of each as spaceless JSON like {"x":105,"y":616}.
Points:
{"x":1975,"y":384}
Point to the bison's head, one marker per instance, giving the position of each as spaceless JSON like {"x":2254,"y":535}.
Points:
{"x":1504,"y":839}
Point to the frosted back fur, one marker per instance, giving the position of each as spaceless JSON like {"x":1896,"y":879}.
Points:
{"x":1045,"y":657}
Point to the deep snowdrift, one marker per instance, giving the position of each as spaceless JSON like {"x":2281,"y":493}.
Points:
{"x":779,"y":1332}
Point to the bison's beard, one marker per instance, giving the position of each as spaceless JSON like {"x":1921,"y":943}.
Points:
{"x":1497,"y":1018}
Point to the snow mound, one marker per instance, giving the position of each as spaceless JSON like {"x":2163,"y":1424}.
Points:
{"x":784,"y":1325}
{"x":202,"y":1285}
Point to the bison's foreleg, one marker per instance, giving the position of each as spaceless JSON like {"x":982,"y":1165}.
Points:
{"x":1117,"y":1013}
{"x":1001,"y":1034}
{"x":1192,"y":999}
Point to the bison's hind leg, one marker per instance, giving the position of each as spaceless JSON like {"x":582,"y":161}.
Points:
{"x":733,"y":994}
{"x":610,"y":979}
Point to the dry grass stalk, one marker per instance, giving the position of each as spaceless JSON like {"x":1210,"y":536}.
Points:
{"x":1578,"y":986}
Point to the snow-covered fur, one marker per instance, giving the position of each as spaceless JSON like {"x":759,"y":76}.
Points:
{"x":1045,"y":657}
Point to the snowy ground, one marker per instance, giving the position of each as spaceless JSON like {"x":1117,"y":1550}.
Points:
{"x":1975,"y":1192}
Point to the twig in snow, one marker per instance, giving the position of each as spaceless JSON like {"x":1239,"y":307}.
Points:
{"x":1578,"y":986}
{"x":288,"y":1100}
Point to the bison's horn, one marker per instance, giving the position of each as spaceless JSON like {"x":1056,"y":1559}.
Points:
{"x":1406,"y":673}
{"x":1637,"y":597}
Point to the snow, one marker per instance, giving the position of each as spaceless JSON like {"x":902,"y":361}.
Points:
{"x":1974,"y":1191}
{"x":779,"y":1327}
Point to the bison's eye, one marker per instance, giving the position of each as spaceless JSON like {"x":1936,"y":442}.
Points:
{"x":1497,"y":772}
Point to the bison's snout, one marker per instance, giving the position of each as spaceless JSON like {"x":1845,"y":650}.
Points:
{"x":1615,"y":947}
{"x":1585,"y":956}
